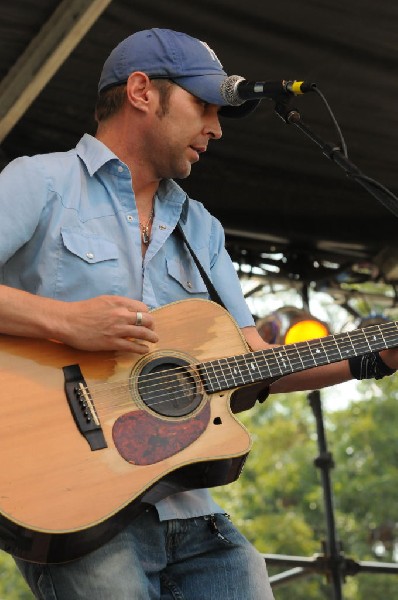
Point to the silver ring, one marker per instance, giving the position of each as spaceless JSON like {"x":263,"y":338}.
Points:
{"x":138,"y":319}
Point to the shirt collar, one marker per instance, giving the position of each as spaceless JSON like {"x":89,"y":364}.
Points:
{"x":94,"y":153}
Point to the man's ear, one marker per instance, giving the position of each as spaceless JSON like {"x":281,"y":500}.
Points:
{"x":138,"y":87}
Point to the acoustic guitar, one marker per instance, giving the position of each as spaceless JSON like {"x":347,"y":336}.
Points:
{"x":88,"y":439}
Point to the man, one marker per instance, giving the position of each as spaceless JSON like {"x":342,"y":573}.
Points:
{"x":88,"y":248}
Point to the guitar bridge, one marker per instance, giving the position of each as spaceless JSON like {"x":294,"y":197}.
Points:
{"x":82,"y":407}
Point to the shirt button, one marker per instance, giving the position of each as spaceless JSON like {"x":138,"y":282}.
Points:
{"x":130,"y":218}
{"x":189,"y":284}
{"x":90,"y":255}
{"x":120,"y":169}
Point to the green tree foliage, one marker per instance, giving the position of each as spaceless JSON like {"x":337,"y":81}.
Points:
{"x":278,"y":500}
{"x":12,"y":584}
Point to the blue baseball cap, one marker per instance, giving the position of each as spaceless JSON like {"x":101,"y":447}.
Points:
{"x":163,"y":53}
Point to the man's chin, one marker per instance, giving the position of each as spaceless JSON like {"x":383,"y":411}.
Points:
{"x":183,"y":174}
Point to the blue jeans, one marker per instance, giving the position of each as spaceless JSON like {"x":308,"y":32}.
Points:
{"x":204,"y":558}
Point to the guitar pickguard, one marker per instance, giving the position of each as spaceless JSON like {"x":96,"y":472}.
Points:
{"x":174,"y":411}
{"x":145,"y":439}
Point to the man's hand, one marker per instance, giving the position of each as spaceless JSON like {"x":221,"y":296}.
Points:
{"x":390,"y":357}
{"x":107,"y":323}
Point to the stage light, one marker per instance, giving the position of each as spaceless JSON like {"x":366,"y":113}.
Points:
{"x":289,"y":325}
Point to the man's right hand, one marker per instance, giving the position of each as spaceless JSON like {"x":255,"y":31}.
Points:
{"x":107,"y":323}
{"x":101,"y":323}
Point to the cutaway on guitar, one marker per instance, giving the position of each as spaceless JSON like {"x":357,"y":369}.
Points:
{"x":163,"y":421}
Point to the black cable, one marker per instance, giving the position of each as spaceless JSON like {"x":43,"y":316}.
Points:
{"x":337,"y":126}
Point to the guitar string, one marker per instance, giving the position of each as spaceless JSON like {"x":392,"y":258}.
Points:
{"x":165,"y":375}
{"x":127,"y":399}
{"x":156,"y":379}
{"x":282,"y":351}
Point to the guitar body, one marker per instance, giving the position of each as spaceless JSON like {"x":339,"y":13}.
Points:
{"x":59,"y":497}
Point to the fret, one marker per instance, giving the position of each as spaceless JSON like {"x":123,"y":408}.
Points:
{"x":287,"y":365}
{"x":245,"y":370}
{"x":391,"y":334}
{"x":360,"y":344}
{"x":277,"y":353}
{"x":374,"y":338}
{"x":306,"y":357}
{"x":379,"y":334}
{"x":296,"y":359}
{"x":347,"y":348}
{"x":252,"y":367}
{"x":234,"y":365}
{"x":263,"y":362}
{"x":318,"y":353}
{"x":228,"y":369}
{"x":209,"y":376}
{"x":223,"y":381}
{"x":232,"y":376}
{"x":331,"y":350}
{"x":322,"y":353}
{"x":311,"y":348}
{"x":228,"y":373}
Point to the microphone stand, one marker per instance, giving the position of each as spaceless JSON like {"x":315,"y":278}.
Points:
{"x":292,"y":116}
{"x":332,"y":562}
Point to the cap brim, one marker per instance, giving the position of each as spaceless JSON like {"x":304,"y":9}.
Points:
{"x":207,"y":87}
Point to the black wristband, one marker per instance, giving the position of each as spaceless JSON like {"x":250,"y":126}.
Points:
{"x":369,"y":366}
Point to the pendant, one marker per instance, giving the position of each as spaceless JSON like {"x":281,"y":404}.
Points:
{"x":145,"y":236}
{"x":145,"y":229}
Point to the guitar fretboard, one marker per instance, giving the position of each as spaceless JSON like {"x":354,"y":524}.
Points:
{"x":244,"y":369}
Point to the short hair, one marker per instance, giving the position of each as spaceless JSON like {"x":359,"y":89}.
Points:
{"x":110,"y":101}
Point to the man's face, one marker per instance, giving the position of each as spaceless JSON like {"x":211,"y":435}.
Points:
{"x":180,"y":134}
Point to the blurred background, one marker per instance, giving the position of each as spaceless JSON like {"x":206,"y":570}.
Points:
{"x":301,"y":233}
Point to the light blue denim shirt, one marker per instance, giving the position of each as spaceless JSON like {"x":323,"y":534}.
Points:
{"x":69,"y":230}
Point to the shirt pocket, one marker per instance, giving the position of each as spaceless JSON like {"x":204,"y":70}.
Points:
{"x":186,"y":277}
{"x":92,"y":249}
{"x":87,"y":266}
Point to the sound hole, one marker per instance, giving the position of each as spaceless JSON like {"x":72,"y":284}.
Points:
{"x":169,"y":387}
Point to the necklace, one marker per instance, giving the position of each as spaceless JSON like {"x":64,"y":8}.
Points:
{"x":145,"y":229}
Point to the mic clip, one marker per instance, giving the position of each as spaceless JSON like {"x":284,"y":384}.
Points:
{"x":283,"y":109}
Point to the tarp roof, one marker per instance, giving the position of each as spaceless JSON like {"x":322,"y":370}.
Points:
{"x":271,"y":187}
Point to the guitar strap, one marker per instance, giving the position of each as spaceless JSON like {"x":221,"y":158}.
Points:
{"x":244,"y":398}
{"x":210,"y":287}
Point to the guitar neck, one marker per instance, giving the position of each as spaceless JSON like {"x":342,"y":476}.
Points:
{"x":245,"y":369}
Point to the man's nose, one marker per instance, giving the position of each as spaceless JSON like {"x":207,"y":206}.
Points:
{"x":213,"y":127}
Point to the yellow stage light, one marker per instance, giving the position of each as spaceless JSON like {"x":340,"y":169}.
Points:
{"x":308,"y":329}
{"x":289,"y":325}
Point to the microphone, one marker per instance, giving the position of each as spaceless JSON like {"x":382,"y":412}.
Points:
{"x":236,"y":90}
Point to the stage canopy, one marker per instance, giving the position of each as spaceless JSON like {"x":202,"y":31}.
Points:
{"x":280,"y":199}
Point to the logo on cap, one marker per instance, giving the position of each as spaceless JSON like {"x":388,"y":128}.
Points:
{"x":211,"y":52}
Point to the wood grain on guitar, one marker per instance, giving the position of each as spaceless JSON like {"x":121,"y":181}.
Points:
{"x":162,"y":418}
